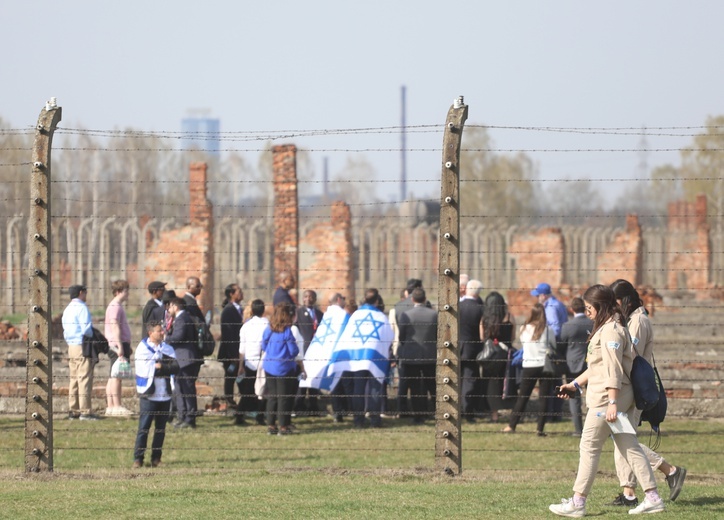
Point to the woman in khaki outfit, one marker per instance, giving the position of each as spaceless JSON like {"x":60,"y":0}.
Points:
{"x":608,"y":392}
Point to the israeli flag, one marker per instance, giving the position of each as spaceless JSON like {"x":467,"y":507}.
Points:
{"x":363,"y":345}
{"x":319,"y":351}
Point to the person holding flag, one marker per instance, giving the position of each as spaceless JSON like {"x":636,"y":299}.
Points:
{"x":319,"y":351}
{"x":363,"y":350}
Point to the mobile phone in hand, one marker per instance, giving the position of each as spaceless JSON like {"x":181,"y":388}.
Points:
{"x":570,"y":393}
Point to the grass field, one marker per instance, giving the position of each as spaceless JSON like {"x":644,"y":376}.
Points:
{"x":332,"y":471}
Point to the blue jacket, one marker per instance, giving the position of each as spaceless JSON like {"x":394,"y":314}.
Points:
{"x":281,"y":351}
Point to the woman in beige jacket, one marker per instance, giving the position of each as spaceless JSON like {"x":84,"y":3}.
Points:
{"x":608,"y":392}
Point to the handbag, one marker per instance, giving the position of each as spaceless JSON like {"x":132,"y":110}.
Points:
{"x":260,"y":382}
{"x":492,"y":351}
{"x":121,"y":369}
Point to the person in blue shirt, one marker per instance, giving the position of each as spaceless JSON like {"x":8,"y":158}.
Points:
{"x":76,"y":324}
{"x":556,"y":313}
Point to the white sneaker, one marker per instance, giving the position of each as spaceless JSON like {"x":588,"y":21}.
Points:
{"x":122,"y":410}
{"x":110,"y":411}
{"x":647,"y":507}
{"x":567,"y":508}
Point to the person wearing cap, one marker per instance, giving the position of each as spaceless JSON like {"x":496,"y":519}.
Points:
{"x":556,"y":313}
{"x":155,"y":289}
{"x":76,"y":324}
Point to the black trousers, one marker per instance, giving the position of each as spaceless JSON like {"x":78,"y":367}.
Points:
{"x":230,"y":378}
{"x":531,"y":376}
{"x":471,"y":388}
{"x":280,"y":399}
{"x":249,"y":403}
{"x":186,"y":404}
{"x":419,"y":380}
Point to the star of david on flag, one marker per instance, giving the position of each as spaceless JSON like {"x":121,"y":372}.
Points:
{"x":367,"y":328}
{"x":323,"y":332}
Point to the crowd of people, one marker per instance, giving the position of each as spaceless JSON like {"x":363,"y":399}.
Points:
{"x":279,"y":366}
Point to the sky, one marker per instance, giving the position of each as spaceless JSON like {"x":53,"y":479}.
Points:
{"x":326,"y":65}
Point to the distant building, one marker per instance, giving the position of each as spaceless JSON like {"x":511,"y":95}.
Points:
{"x":201,"y":133}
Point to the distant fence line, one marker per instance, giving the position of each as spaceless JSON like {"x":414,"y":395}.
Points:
{"x":96,"y":251}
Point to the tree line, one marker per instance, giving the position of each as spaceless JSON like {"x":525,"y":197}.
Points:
{"x":147,"y":175}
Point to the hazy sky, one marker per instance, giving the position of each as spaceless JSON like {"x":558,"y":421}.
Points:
{"x":301,"y":65}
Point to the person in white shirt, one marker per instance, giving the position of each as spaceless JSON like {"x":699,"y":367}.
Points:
{"x":535,"y":336}
{"x":250,"y":337}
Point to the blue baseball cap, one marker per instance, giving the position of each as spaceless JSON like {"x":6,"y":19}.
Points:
{"x":541,"y":288}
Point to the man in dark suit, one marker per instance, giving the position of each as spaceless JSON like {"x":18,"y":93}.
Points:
{"x":193,"y":289}
{"x":184,"y":340}
{"x":308,"y":319}
{"x":231,"y":321}
{"x":574,"y":342}
{"x":470,"y":310}
{"x":153,"y":311}
{"x":417,"y":353}
{"x":287,"y":282}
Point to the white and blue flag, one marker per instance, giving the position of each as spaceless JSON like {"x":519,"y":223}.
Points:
{"x":363,"y":345}
{"x":319,"y":351}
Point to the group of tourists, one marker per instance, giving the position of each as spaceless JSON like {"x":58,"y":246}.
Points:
{"x":281,"y":364}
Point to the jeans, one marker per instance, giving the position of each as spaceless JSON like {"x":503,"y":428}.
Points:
{"x":366,"y":395}
{"x":158,"y":411}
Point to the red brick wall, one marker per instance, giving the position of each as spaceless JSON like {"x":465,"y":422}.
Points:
{"x":622,"y":258}
{"x":286,"y":210}
{"x":189,"y":250}
{"x":689,"y":251}
{"x":325,"y":257}
{"x":539,"y":257}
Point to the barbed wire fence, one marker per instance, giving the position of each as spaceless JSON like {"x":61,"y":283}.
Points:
{"x":388,"y":247}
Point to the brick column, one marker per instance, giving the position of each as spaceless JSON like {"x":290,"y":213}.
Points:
{"x":286,"y":210}
{"x":623,"y":258}
{"x":688,"y":247}
{"x":201,"y":215}
{"x":342,"y":222}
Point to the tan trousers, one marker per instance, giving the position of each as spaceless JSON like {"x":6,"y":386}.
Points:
{"x":625,"y":476}
{"x":81,"y":380}
{"x":595,"y":433}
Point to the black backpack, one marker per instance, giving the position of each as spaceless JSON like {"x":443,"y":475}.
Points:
{"x":206,"y":343}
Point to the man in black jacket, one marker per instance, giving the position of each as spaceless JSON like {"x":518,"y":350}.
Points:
{"x":193,"y":289}
{"x":471,"y":316}
{"x":184,"y":340}
{"x":416,"y":354}
{"x":154,"y":309}
{"x":231,"y":321}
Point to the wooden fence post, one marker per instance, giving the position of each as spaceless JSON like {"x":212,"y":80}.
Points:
{"x":448,"y":454}
{"x":39,"y":372}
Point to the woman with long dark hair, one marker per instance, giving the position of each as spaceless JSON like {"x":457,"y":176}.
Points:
{"x":608,"y":390}
{"x":536,"y":337}
{"x":499,"y":326}
{"x":642,"y":337}
{"x":280,"y":362}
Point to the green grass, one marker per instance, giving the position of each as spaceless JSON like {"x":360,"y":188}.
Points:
{"x":332,"y":471}
{"x":16,"y":319}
